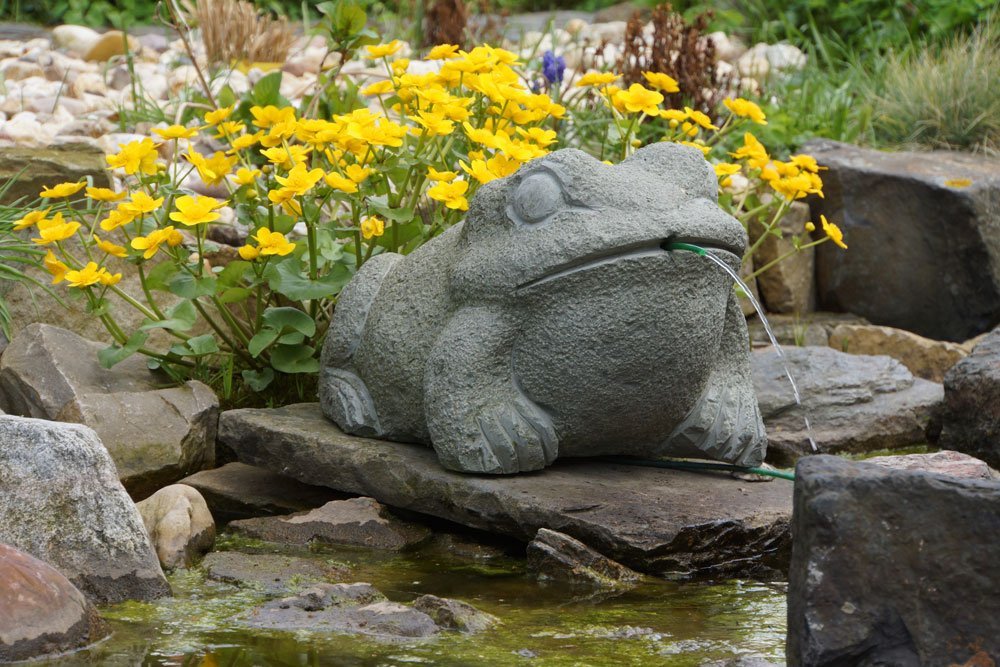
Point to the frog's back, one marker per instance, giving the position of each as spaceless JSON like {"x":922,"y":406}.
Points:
{"x":407,"y":302}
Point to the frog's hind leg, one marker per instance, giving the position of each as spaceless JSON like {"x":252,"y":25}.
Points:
{"x":343,"y":395}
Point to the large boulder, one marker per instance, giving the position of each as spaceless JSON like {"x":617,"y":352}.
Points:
{"x":61,"y":501}
{"x":155,"y":434}
{"x":892,"y":567}
{"x":853,"y":403}
{"x":41,"y":612}
{"x":971,"y":420}
{"x":29,"y":170}
{"x":239,"y":491}
{"x":926,"y":358}
{"x":179,"y":523}
{"x":924,"y":237}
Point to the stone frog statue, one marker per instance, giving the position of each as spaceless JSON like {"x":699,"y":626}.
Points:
{"x":556,"y":320}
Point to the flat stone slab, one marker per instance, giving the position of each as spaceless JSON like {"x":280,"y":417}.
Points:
{"x":651,"y":519}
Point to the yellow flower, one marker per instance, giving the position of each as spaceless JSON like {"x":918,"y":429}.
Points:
{"x":596,"y":79}
{"x":338,"y":182}
{"x":55,"y":267}
{"x":118,"y":217}
{"x":176,"y":132}
{"x":229,"y":128}
{"x":705,"y":150}
{"x":212,"y":170}
{"x":265,"y":117}
{"x":249,"y":253}
{"x":400,"y":66}
{"x":286,"y":158}
{"x":810,"y":227}
{"x":273,"y":243}
{"x":31,"y":219}
{"x":52,"y":230}
{"x":141,"y":204}
{"x":446,"y":176}
{"x":637,"y":99}
{"x":357,"y":173}
{"x":372,"y":226}
{"x":135,"y":156}
{"x":85,"y":277}
{"x":107,"y":278}
{"x":434,"y":124}
{"x":152,"y":242}
{"x":543,"y":138}
{"x":245,"y":141}
{"x":753,"y":151}
{"x":806,"y":162}
{"x":724,"y":171}
{"x":378,"y":88}
{"x":662,"y":82}
{"x":300,"y":179}
{"x":219,"y":115}
{"x":246,"y":176}
{"x":196,"y":210}
{"x":62,"y":190}
{"x":958,"y":182}
{"x":451,"y":194}
{"x":700,"y":118}
{"x":443,"y":52}
{"x":833,"y":232}
{"x":110,"y":248}
{"x":746,"y":109}
{"x":105,"y":195}
{"x":382,"y":50}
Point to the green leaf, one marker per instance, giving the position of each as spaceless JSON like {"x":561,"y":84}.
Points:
{"x":179,"y":318}
{"x":115,"y":354}
{"x":290,"y":318}
{"x":190,"y":287}
{"x":294,"y":338}
{"x":159,"y":277}
{"x":235,"y":294}
{"x":258,"y":380}
{"x":262,"y":340}
{"x":294,"y":359}
{"x":396,"y":214}
{"x":226,"y":96}
{"x":233,"y":273}
{"x":267,"y":90}
{"x":204,"y":344}
{"x":285,"y":278}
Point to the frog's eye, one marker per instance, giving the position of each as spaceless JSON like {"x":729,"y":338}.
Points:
{"x":537,"y":197}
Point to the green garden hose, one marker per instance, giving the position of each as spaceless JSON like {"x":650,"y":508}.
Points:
{"x":687,"y":246}
{"x":675,"y":464}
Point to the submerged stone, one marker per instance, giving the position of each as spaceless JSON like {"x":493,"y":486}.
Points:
{"x":274,"y":574}
{"x":554,"y":555}
{"x":650,"y":519}
{"x":179,"y":524}
{"x":454,"y":614}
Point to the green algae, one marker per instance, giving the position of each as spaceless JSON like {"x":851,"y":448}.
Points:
{"x":658,"y":622}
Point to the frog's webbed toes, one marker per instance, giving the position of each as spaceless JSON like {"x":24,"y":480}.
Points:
{"x":344,"y":398}
{"x":508,"y":437}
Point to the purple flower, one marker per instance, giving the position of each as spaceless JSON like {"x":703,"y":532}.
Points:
{"x":553,"y":67}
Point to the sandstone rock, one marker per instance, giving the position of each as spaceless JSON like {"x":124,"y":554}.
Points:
{"x":944,"y":462}
{"x":76,"y":38}
{"x":789,"y":285}
{"x":651,"y":519}
{"x":179,"y":524}
{"x":343,"y":608}
{"x":812,"y":329}
{"x":39,"y":168}
{"x":359,"y":522}
{"x":924,"y":255}
{"x":239,"y":491}
{"x":554,"y":555}
{"x":110,"y":44}
{"x":971,"y":419}
{"x":16,"y":70}
{"x":42,"y":612}
{"x":60,"y":500}
{"x":155,"y":434}
{"x":272,"y":573}
{"x":926,"y":358}
{"x":854,"y":403}
{"x":892,"y":567}
{"x":454,"y":614}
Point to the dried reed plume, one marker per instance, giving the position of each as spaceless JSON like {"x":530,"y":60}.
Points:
{"x":232,"y":30}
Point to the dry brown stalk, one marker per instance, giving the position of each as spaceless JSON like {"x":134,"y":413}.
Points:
{"x":233,"y":30}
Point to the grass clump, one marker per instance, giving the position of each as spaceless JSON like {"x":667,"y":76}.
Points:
{"x":947,"y":97}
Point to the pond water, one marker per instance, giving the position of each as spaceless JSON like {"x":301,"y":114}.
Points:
{"x":659,"y":622}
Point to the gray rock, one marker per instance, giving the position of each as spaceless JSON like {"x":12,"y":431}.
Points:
{"x":43,"y":612}
{"x":924,"y":256}
{"x":343,"y":608}
{"x":274,"y":574}
{"x":179,"y":524}
{"x":155,"y":435}
{"x":358,"y":522}
{"x":651,"y":519}
{"x":454,"y":614}
{"x":892,"y":567}
{"x":954,"y":464}
{"x":854,"y":403}
{"x":61,"y":501}
{"x":553,"y":321}
{"x":37,"y":168}
{"x":971,"y":419}
{"x":553,"y":555}
{"x":239,"y":491}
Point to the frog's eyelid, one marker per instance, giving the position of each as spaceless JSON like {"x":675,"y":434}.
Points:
{"x":558,"y":177}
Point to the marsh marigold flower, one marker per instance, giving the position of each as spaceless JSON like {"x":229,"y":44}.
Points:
{"x":746,"y":109}
{"x":54,"y":229}
{"x":596,"y":79}
{"x":150,"y":243}
{"x":196,"y":210}
{"x":451,"y":194}
{"x":30,"y":219}
{"x":61,"y":190}
{"x":217,"y":116}
{"x":833,"y":232}
{"x":56,"y":268}
{"x":382,"y":50}
{"x":175,"y":132}
{"x":637,"y":99}
{"x":443,"y":52}
{"x":662,"y":82}
{"x":135,"y":156}
{"x":372,"y":226}
{"x":105,"y":195}
{"x":110,"y":248}
{"x":273,"y":243}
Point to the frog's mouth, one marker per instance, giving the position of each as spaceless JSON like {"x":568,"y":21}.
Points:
{"x":652,"y":248}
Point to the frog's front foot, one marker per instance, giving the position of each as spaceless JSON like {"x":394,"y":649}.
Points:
{"x":345,"y":399}
{"x":504,"y":437}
